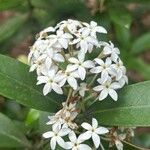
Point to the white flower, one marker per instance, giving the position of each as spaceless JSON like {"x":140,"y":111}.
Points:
{"x":56,"y":119}
{"x":109,"y":49}
{"x":51,"y":55}
{"x":76,"y":143}
{"x":69,"y":108}
{"x":70,"y":24}
{"x":93,"y":132}
{"x":51,"y":80}
{"x":70,"y":77}
{"x":48,"y":29}
{"x":123,"y":80}
{"x":36,"y":50}
{"x":37,"y":65}
{"x":56,"y":136}
{"x":118,"y":69}
{"x":92,"y":28}
{"x":80,"y":65}
{"x":119,"y":144}
{"x":82,"y":89}
{"x":84,"y":41}
{"x":103,"y":67}
{"x":107,"y":88}
{"x":61,"y":40}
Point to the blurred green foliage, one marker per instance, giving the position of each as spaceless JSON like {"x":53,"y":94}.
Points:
{"x":127,"y":25}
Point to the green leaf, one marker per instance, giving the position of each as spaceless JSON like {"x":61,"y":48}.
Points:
{"x":131,"y":109}
{"x":10,"y":136}
{"x":143,"y":69}
{"x":10,"y":27}
{"x":121,"y":24}
{"x":18,"y":84}
{"x":141,"y":44}
{"x":124,"y":19}
{"x":32,"y":116}
{"x":9,"y":4}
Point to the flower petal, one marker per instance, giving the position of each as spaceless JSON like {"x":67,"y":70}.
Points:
{"x":71,"y":68}
{"x":57,"y":88}
{"x":94,"y":123}
{"x":53,"y":143}
{"x":72,"y":136}
{"x":58,"y":58}
{"x":102,"y":130}
{"x":99,"y":61}
{"x":47,"y":88}
{"x":64,"y":131}
{"x":84,"y":147}
{"x":97,"y":69}
{"x":88,"y":64}
{"x":96,"y":140}
{"x":86,"y":126}
{"x":103,"y":94}
{"x":63,"y":42}
{"x":61,"y":142}
{"x":73,"y":60}
{"x":113,"y":94}
{"x":84,"y":136}
{"x":82,"y":72}
{"x":48,"y":134}
{"x":72,"y":82}
{"x":98,"y":88}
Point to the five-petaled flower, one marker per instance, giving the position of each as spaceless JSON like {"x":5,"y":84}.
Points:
{"x":93,"y":131}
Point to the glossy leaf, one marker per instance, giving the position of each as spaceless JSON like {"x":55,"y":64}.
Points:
{"x":20,"y":85}
{"x":131,"y":109}
{"x":143,"y":68}
{"x":32,"y":116}
{"x":10,"y":135}
{"x":9,"y":4}
{"x":10,"y":27}
{"x":141,"y":44}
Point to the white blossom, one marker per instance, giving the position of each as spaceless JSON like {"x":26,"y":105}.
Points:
{"x":70,"y":24}
{"x":109,"y":49}
{"x":76,"y":143}
{"x":92,"y":28}
{"x":119,"y":144}
{"x":70,"y":77}
{"x":82,"y":89}
{"x":93,"y":131}
{"x":107,"y":88}
{"x":60,"y":40}
{"x":103,"y":67}
{"x":56,"y":136}
{"x":118,"y":69}
{"x":51,"y":55}
{"x":51,"y":80}
{"x":84,"y":41}
{"x":80,"y":64}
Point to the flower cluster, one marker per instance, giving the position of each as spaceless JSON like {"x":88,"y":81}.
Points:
{"x":60,"y":128}
{"x":69,"y":57}
{"x":117,"y":135}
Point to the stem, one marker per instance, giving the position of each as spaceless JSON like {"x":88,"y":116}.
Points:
{"x":89,"y":97}
{"x":134,"y":146}
{"x":102,"y":147}
{"x":93,"y":80}
{"x":69,"y":95}
{"x":95,"y":76}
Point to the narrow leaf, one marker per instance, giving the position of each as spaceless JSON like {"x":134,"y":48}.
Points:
{"x":10,"y":136}
{"x":10,"y":27}
{"x":9,"y":4}
{"x":18,"y":84}
{"x":141,"y":44}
